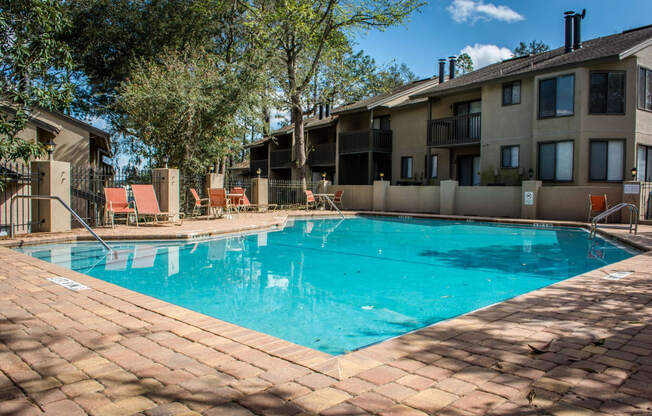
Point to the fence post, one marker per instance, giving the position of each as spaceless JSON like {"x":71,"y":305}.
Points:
{"x":259,"y":190}
{"x":54,"y":180}
{"x":632,"y":195}
{"x":530,"y":199}
{"x":167,"y":187}
{"x":322,"y":187}
{"x":379,"y":199}
{"x":447,"y":191}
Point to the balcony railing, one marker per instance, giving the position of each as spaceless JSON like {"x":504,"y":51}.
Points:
{"x":322,"y":155}
{"x":254,"y":165}
{"x":454,"y":130}
{"x":280,"y":158}
{"x":361,"y":141}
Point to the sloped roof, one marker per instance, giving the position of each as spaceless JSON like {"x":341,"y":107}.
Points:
{"x":244,"y":165}
{"x":619,"y":46}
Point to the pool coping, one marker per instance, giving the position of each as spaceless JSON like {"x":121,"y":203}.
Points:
{"x":337,"y":366}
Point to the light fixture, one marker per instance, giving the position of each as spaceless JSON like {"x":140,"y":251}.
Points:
{"x":634,"y":172}
{"x":211,"y":168}
{"x":49,"y":147}
{"x":323,"y":176}
{"x":531,"y":173}
{"x":382,"y":175}
{"x":258,"y":171}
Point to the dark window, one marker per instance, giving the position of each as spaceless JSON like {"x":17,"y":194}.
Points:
{"x":644,"y":163}
{"x":556,"y":96}
{"x":556,"y":161}
{"x":433,"y":166}
{"x":607,"y":160}
{"x":509,"y":157}
{"x":645,"y":89}
{"x":381,"y":123}
{"x":607,"y":93}
{"x":406,"y":167}
{"x":512,"y":93}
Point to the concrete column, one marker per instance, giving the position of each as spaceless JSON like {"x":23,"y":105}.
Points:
{"x":380,"y":195}
{"x":322,"y":187}
{"x":632,"y":195}
{"x":53,"y":180}
{"x":530,"y":199}
{"x":259,"y":189}
{"x":447,"y":191}
{"x":214,"y":180}
{"x":167,"y":186}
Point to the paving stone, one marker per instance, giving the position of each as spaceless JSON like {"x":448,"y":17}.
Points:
{"x":81,"y":387}
{"x":382,"y":375}
{"x":344,"y":409}
{"x":402,"y":410}
{"x":416,"y":382}
{"x":430,"y":400}
{"x":355,"y":385}
{"x":321,"y":399}
{"x":395,"y":391}
{"x":478,"y":402}
{"x":455,"y":386}
{"x":316,"y":381}
{"x":63,"y":408}
{"x":372,"y":402}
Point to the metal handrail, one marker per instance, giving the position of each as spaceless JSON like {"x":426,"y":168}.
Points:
{"x":50,"y":197}
{"x":633,"y":219}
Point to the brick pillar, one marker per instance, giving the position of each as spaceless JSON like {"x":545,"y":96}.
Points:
{"x":214,"y":180}
{"x":259,"y":191}
{"x":166,"y":184}
{"x":447,"y":191}
{"x":322,"y":187}
{"x":53,"y":180}
{"x":379,"y":202}
{"x":530,"y":199}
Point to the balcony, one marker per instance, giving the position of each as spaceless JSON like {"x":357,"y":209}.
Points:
{"x":362,"y":141}
{"x":280,"y":158}
{"x":322,"y":155}
{"x":254,"y":165}
{"x":453,"y":131}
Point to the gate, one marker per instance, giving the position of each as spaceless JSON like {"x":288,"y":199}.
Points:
{"x":17,"y":179}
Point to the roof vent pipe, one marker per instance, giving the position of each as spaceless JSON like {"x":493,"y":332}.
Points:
{"x":577,"y":29}
{"x":451,"y":67}
{"x":442,"y":69}
{"x":321,"y":111}
{"x":568,"y":43}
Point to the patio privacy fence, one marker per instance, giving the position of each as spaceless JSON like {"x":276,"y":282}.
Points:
{"x":646,"y":199}
{"x":288,"y":193}
{"x":16,"y":178}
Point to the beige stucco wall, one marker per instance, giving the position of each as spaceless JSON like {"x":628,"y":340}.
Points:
{"x":72,"y":141}
{"x":413,"y":199}
{"x":355,"y":196}
{"x":409,"y":127}
{"x":643,"y":133}
{"x":489,"y":201}
{"x":572,"y":203}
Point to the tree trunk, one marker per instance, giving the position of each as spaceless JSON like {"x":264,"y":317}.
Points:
{"x":223,"y":167}
{"x":299,"y":139}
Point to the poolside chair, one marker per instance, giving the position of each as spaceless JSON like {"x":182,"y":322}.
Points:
{"x":218,"y":201}
{"x":147,"y":204}
{"x":237,"y":201}
{"x":310,"y":199}
{"x":117,"y":204}
{"x":337,"y":199}
{"x":597,"y":205}
{"x":199,"y":203}
{"x":245,"y":204}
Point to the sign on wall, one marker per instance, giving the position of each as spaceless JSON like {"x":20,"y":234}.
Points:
{"x":632,"y":188}
{"x":528,"y":198}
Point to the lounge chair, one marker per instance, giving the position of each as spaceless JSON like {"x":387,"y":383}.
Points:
{"x":597,"y":205}
{"x":337,"y":199}
{"x":199,"y":203}
{"x":219,"y":201}
{"x":244,"y":204}
{"x":147,"y":204}
{"x":117,"y":204}
{"x":310,"y":199}
{"x":237,"y":201}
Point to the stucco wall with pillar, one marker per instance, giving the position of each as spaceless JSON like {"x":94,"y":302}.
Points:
{"x":53,"y":180}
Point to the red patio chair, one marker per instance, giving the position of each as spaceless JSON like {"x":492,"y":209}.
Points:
{"x":337,"y":199}
{"x":147,"y":204}
{"x":597,"y":205}
{"x":199,"y":203}
{"x":219,"y":201}
{"x":116,"y":203}
{"x":310,"y":199}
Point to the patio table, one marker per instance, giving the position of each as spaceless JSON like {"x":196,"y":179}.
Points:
{"x":323,"y":198}
{"x":238,"y":196}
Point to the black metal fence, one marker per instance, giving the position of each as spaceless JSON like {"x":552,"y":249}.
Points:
{"x":17,"y":179}
{"x":244,"y":183}
{"x":191,"y":180}
{"x":287,"y":193}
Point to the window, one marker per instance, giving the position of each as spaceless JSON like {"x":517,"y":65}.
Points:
{"x":509,"y":156}
{"x":406,"y":167}
{"x":512,"y":93}
{"x":644,"y":163}
{"x":556,"y":96}
{"x":645,"y":89}
{"x":607,"y":93}
{"x":433,"y":166}
{"x":607,"y":160}
{"x":381,"y":123}
{"x":556,"y":161}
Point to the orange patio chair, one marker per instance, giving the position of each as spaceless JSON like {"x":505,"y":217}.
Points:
{"x":147,"y":204}
{"x":199,"y":203}
{"x":218,"y":201}
{"x":237,"y":201}
{"x":245,"y":204}
{"x":597,"y":205}
{"x":337,"y":199}
{"x":116,"y":204}
{"x":310,"y":199}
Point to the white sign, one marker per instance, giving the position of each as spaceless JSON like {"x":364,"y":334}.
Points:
{"x":528,"y":198}
{"x":68,"y":284}
{"x":632,"y":188}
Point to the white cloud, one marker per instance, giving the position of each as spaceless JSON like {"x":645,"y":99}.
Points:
{"x":483,"y":55}
{"x":473,"y":10}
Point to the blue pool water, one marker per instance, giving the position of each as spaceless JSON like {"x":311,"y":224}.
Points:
{"x":338,"y":285}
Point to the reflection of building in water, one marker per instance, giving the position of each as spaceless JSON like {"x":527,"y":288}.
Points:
{"x":63,"y":255}
{"x":216,"y":250}
{"x":262,"y":239}
{"x":144,"y":256}
{"x":117,"y":260}
{"x":173,"y":260}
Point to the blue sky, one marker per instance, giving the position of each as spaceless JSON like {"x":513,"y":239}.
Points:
{"x":490,"y":28}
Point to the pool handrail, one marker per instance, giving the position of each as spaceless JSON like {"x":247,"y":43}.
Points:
{"x":633,"y":217}
{"x":12,"y":233}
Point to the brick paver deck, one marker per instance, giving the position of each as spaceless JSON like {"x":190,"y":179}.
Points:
{"x":582,"y":346}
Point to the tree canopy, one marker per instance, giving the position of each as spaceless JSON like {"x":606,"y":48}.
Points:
{"x":35,"y":69}
{"x":464,"y":64}
{"x":531,"y":48}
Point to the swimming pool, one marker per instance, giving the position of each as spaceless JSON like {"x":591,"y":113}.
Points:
{"x":338,"y":285}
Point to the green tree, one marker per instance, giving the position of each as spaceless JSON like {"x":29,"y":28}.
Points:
{"x":35,"y":69}
{"x":532,"y":48}
{"x":297,"y":34}
{"x":183,"y":108}
{"x":464,"y":64}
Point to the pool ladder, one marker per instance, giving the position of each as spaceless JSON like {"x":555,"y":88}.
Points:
{"x":50,"y":197}
{"x":633,"y":217}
